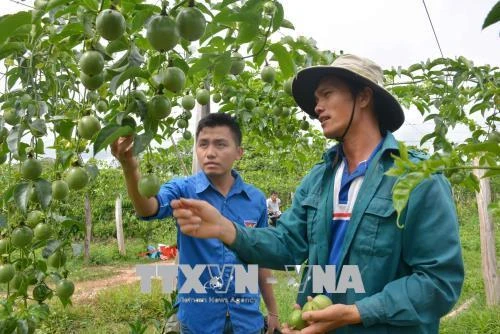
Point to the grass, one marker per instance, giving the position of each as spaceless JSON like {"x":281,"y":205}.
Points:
{"x":115,"y":308}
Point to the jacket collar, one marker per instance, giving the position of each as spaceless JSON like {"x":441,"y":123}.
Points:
{"x":390,"y":144}
{"x":202,"y":182}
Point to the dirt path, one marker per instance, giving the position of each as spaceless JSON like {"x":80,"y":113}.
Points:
{"x":85,"y":290}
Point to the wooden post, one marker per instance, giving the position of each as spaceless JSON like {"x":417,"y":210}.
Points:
{"x":204,"y":111}
{"x":119,"y":225}
{"x":487,"y":233}
{"x":88,"y":230}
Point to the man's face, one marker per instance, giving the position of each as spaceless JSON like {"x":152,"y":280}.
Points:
{"x":216,"y":150}
{"x":273,"y":197}
{"x":333,"y":106}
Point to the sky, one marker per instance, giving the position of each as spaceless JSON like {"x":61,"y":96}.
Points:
{"x":392,"y":33}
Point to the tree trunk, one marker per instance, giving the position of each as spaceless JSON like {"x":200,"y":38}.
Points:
{"x":487,"y":233}
{"x":119,"y":225}
{"x":88,"y":230}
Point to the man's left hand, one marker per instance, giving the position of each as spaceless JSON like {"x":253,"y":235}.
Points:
{"x":272,"y":323}
{"x":330,"y":318}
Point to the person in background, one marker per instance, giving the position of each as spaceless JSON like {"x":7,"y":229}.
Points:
{"x":273,"y":207}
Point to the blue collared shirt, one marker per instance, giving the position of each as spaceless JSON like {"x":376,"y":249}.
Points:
{"x":244,"y":205}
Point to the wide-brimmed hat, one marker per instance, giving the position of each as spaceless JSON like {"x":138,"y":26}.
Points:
{"x":388,"y":110}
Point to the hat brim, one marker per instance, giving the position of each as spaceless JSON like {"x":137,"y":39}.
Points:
{"x":389,"y":112}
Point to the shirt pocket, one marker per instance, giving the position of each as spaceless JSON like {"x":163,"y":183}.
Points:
{"x":310,"y":205}
{"x":379,"y":224}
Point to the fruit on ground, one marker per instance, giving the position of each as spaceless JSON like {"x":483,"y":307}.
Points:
{"x":162,"y":33}
{"x":149,"y":185}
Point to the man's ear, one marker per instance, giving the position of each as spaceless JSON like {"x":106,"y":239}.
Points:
{"x":365,"y":97}
{"x":240,"y":152}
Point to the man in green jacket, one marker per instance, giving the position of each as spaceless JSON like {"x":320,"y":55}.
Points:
{"x":343,"y":215}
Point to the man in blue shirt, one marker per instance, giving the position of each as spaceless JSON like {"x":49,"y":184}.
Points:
{"x":217,"y":309}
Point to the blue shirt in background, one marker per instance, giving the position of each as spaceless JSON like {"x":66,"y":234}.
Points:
{"x":244,"y":205}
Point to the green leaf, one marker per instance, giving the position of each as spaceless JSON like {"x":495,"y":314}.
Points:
{"x":117,"y":45}
{"x":493,"y":16}
{"x":129,"y":73}
{"x":222,"y":66}
{"x":109,"y":134}
{"x":10,"y":23}
{"x":21,"y":195}
{"x":287,"y":24}
{"x":39,"y":146}
{"x":91,"y":5}
{"x":279,"y":15}
{"x":71,"y":29}
{"x":43,"y":190}
{"x":247,"y":31}
{"x":11,"y":49}
{"x":427,"y":137}
{"x":53,"y":245}
{"x":482,"y":147}
{"x":284,"y":58}
{"x":489,"y":173}
{"x":141,"y":142}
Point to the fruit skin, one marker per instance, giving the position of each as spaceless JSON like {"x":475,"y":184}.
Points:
{"x":216,"y":97}
{"x":5,"y":246}
{"x":309,"y":306}
{"x":88,"y":126}
{"x":34,"y":218}
{"x":237,"y":64}
{"x":188,"y":102}
{"x":92,"y":82}
{"x":191,"y":23}
{"x":174,"y":79}
{"x":149,"y":185}
{"x":65,"y":289}
{"x":287,"y":86}
{"x":110,"y":24}
{"x":203,"y":96}
{"x":268,"y":74}
{"x":304,"y":125}
{"x":31,"y":169}
{"x":187,"y":135}
{"x":295,"y":320}
{"x":162,"y":33}
{"x":182,"y":123}
{"x":56,"y":259}
{"x":11,"y":117}
{"x":159,"y":107}
{"x":42,"y":231}
{"x":21,"y":237}
{"x":322,"y":301}
{"x":77,"y":178}
{"x":250,"y":103}
{"x":7,"y":272}
{"x":60,"y":190}
{"x":91,"y":63}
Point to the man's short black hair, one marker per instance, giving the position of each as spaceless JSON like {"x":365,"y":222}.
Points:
{"x":274,"y":192}
{"x":221,"y":119}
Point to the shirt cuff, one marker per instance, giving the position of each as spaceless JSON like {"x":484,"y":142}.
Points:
{"x":371,"y":310}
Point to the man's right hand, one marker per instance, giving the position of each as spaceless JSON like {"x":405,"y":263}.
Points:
{"x":199,"y":219}
{"x":122,"y":150}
